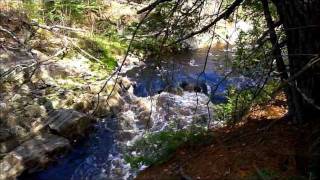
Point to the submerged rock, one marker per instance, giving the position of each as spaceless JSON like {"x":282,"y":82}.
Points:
{"x":69,"y":123}
{"x":32,"y":155}
{"x":174,"y":90}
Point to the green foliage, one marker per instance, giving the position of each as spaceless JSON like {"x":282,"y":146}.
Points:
{"x":251,"y":60}
{"x":228,"y":111}
{"x":33,"y":10}
{"x":103,"y":48}
{"x":67,"y":11}
{"x":153,"y":46}
{"x":72,"y":11}
{"x":163,"y":27}
{"x":155,"y":148}
{"x":239,"y":101}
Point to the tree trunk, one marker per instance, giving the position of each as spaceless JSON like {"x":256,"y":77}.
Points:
{"x":301,"y":21}
{"x":276,"y":52}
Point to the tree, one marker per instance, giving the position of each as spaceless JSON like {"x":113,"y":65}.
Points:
{"x":302,"y":27}
{"x":301,"y":23}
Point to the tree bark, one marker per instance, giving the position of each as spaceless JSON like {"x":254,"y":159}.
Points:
{"x":276,"y":52}
{"x":301,"y":21}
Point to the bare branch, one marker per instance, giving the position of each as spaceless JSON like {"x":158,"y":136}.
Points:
{"x":224,"y":15}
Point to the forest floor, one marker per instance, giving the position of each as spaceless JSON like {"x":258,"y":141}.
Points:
{"x":265,"y":145}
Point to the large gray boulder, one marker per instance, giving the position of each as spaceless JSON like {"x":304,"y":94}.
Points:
{"x":70,"y":123}
{"x":32,"y":155}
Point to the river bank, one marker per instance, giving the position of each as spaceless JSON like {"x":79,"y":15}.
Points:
{"x":265,"y":145}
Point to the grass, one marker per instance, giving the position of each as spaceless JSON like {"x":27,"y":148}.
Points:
{"x":103,"y":48}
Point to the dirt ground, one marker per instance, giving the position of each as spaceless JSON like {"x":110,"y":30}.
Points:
{"x":266,"y":145}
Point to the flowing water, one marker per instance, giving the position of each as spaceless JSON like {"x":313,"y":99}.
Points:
{"x":155,"y":101}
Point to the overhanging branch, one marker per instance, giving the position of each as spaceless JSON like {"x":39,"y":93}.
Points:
{"x":224,"y":15}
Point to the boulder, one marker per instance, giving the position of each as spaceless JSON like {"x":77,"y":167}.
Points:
{"x":8,"y":144}
{"x":145,"y":119}
{"x":126,"y":120}
{"x":83,"y":103}
{"x":125,"y":83}
{"x":196,"y":87}
{"x":108,"y":107}
{"x":69,"y":123}
{"x":32,"y":155}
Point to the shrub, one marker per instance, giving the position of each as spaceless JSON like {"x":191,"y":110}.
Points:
{"x":239,"y":101}
{"x":155,"y":148}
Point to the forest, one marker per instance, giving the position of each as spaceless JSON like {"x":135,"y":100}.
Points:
{"x":159,"y":89}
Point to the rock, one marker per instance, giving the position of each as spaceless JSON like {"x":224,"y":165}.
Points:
{"x":57,"y":71}
{"x":4,"y":134}
{"x":132,"y":60}
{"x":20,"y":131}
{"x":3,"y":110}
{"x":6,"y":87}
{"x":126,"y":120}
{"x":142,"y":105}
{"x":196,"y":87}
{"x":109,"y":106}
{"x":18,"y":77}
{"x":125,"y":135}
{"x":8,"y":145}
{"x":11,"y":120}
{"x":125,"y":83}
{"x":7,"y":140}
{"x":16,"y":97}
{"x":117,"y":171}
{"x":145,"y":119}
{"x":174,"y":90}
{"x":24,"y":89}
{"x":35,"y":111}
{"x":69,"y":123}
{"x":83,"y":103}
{"x":32,"y":155}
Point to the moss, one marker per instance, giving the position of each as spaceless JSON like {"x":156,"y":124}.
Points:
{"x":103,"y":48}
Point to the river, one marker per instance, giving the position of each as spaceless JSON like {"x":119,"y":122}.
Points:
{"x":177,"y":90}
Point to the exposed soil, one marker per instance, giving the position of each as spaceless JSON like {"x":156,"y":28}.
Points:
{"x":266,"y":145}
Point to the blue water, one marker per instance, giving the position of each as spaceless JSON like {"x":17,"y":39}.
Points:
{"x":182,"y":69}
{"x":90,"y":158}
{"x":86,"y":161}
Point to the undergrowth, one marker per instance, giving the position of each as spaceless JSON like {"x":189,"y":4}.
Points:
{"x":103,"y":48}
{"x":155,"y":148}
{"x":239,"y":102}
